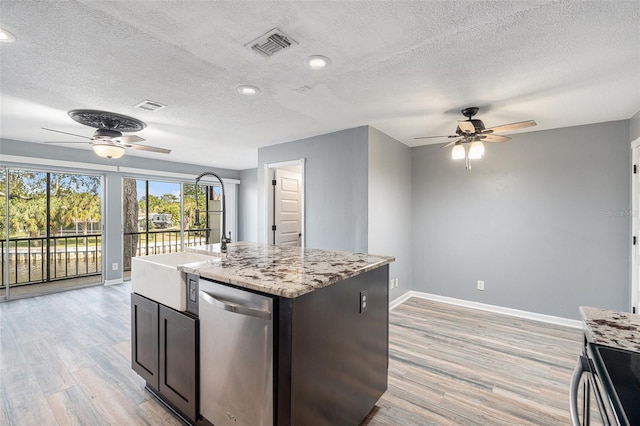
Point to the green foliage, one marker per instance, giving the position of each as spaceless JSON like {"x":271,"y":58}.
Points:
{"x":74,"y":201}
{"x":167,"y":203}
{"x":170,"y":203}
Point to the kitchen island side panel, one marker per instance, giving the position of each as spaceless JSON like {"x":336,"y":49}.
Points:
{"x":339,"y":355}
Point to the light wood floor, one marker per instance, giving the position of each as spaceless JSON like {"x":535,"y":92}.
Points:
{"x":64,"y":360}
{"x":457,"y":366}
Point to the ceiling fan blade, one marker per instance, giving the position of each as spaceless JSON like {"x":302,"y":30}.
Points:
{"x":431,"y":137}
{"x":509,"y":127}
{"x":129,"y":139}
{"x":452,"y":143}
{"x":495,"y":138}
{"x":66,"y":133}
{"x":66,"y":142}
{"x":149,"y":148}
{"x":466,"y":126}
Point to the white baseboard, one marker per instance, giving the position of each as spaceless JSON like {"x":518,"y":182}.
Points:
{"x":490,"y":308}
{"x":400,"y":300}
{"x":113,"y":282}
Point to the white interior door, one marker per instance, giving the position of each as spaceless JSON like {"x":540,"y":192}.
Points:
{"x":287,"y":209}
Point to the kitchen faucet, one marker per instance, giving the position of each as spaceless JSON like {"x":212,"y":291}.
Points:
{"x":223,"y":239}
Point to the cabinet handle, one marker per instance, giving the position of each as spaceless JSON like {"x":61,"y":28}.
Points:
{"x":234,"y":307}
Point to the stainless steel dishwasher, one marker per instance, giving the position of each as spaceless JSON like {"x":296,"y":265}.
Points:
{"x":236,"y":356}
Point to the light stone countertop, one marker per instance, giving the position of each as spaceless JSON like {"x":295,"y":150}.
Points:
{"x":281,"y":270}
{"x":611,"y":328}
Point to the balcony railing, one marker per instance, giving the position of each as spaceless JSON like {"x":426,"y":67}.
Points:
{"x":158,"y":242}
{"x":81,"y":255}
{"x":38,"y":260}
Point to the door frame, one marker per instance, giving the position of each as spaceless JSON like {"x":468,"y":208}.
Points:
{"x":269,"y":175}
{"x":635,"y":227}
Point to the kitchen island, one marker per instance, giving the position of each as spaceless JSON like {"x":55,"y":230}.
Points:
{"x":611,"y":361}
{"x":308,"y":345}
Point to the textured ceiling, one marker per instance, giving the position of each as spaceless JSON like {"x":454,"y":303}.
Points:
{"x":405,"y":68}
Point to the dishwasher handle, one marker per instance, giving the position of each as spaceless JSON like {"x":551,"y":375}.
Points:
{"x":582,"y":366}
{"x":234,"y":307}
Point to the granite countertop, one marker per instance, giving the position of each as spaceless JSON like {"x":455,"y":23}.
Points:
{"x":611,"y":328}
{"x":281,"y":270}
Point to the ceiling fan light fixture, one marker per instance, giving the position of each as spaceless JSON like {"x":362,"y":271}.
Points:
{"x":458,"y":152}
{"x":476,"y":150}
{"x":108,"y":150}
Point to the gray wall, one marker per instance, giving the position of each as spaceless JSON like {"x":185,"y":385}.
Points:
{"x":634,"y":127}
{"x":248,"y":205}
{"x":543,"y":220}
{"x":390,"y":205}
{"x":114,"y":240}
{"x":335,"y":187}
{"x":113,"y":183}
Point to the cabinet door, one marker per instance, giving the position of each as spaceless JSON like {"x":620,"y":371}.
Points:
{"x":178,"y":360}
{"x":144,"y":339}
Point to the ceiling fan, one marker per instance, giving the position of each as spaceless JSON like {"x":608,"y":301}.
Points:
{"x":108,"y":141}
{"x":470,"y":134}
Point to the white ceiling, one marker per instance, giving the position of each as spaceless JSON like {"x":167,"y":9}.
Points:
{"x":405,"y":68}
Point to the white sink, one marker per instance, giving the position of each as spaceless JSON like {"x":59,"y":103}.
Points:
{"x":157,"y":277}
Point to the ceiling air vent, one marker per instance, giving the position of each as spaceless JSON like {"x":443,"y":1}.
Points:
{"x":148,"y":105}
{"x":271,"y":43}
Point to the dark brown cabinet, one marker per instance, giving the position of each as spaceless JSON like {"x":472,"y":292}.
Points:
{"x":164,"y":352}
{"x":178,"y":360}
{"x":144,"y":339}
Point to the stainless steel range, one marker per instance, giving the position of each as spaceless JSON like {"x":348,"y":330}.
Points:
{"x":613,"y":380}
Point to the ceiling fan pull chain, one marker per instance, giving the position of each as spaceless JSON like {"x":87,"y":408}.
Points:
{"x":467,"y":160}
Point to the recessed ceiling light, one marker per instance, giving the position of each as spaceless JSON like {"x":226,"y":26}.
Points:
{"x":317,"y":62}
{"x":248,"y":90}
{"x":6,"y":36}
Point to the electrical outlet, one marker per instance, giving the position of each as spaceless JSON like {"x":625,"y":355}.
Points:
{"x":396,"y":283}
{"x":114,"y":266}
{"x":364,"y":301}
{"x":480,"y":285}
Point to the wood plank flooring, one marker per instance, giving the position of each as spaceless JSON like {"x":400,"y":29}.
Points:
{"x":64,"y":360}
{"x":451,"y":365}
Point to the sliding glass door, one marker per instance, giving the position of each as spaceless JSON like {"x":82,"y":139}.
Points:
{"x":52,"y":231}
{"x":160,"y":217}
